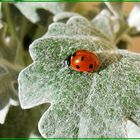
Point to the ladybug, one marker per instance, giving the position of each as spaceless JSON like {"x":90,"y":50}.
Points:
{"x":83,"y":61}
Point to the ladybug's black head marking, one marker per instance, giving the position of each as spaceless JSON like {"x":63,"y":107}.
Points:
{"x":74,"y":55}
{"x":69,"y":57}
{"x":68,"y":60}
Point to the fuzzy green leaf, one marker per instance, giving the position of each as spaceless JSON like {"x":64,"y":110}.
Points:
{"x":8,"y":87}
{"x":133,"y":19}
{"x":8,"y":75}
{"x":105,"y":22}
{"x":116,"y":8}
{"x":64,"y":16}
{"x":82,"y":104}
{"x":133,"y":130}
{"x":30,"y":10}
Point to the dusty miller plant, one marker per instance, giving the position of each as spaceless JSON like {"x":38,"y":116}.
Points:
{"x":98,"y":104}
{"x":16,"y":33}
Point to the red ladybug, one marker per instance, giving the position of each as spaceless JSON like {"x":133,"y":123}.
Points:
{"x":84,"y":61}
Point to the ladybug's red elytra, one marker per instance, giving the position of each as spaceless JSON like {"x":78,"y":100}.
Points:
{"x":84,"y":61}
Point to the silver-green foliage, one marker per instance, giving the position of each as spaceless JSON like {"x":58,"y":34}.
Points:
{"x":82,"y":104}
{"x":30,"y":10}
{"x":134,"y":16}
{"x":8,"y":85}
{"x":14,"y":37}
{"x":20,"y":123}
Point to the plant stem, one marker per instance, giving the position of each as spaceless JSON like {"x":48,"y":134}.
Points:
{"x":124,"y":30}
{"x":9,"y":20}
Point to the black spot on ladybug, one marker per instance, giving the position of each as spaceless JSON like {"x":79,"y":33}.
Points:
{"x":82,"y":58}
{"x":77,"y":67}
{"x":91,"y":66}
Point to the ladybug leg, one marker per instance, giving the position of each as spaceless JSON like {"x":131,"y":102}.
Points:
{"x":98,"y":72}
{"x":81,"y":73}
{"x":70,"y":72}
{"x":90,"y":72}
